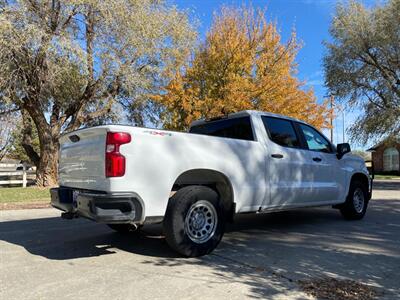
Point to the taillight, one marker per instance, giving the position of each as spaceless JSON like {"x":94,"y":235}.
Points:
{"x":115,"y":161}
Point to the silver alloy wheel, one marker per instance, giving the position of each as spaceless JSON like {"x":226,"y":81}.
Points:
{"x":358,"y":200}
{"x":201,"y":222}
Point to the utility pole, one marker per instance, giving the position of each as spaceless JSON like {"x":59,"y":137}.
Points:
{"x":344,"y":125}
{"x":332,"y":99}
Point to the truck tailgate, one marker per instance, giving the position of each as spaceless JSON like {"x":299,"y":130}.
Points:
{"x":82,"y":158}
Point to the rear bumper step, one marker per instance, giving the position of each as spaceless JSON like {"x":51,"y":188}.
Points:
{"x":103,"y":208}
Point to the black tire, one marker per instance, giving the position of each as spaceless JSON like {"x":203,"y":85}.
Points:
{"x":123,"y":228}
{"x":349,"y":209}
{"x":194,"y":201}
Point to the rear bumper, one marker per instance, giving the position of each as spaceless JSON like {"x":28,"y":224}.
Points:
{"x":100,"y":207}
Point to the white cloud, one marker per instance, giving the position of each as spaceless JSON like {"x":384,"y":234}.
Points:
{"x":315,"y":82}
{"x":315,"y":78}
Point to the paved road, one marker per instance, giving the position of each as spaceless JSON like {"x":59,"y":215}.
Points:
{"x":261,"y":256}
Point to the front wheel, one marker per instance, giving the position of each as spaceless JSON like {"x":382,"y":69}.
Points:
{"x":356,"y":202}
{"x":195,"y":221}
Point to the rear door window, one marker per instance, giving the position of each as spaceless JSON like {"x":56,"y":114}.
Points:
{"x":281,"y":132}
{"x":237,"y":128}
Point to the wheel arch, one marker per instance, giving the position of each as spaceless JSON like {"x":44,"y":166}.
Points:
{"x":362,"y":178}
{"x":213,"y":179}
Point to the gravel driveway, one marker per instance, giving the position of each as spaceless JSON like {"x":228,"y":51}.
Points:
{"x":261,"y":256}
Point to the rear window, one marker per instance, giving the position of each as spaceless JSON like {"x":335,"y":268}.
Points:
{"x":281,"y":132}
{"x":237,"y":128}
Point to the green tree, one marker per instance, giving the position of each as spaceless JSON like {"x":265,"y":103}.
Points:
{"x":18,"y":140}
{"x":362,"y":66}
{"x":363,"y":154}
{"x":68,"y":63}
{"x":7,"y":126}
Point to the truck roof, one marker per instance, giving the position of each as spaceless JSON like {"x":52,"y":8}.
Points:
{"x":244,"y":113}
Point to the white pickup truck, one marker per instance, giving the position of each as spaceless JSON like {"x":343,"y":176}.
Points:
{"x":193,"y":183}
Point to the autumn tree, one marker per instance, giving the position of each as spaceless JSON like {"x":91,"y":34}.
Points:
{"x":242,"y":64}
{"x":362,"y":66}
{"x":64,"y":64}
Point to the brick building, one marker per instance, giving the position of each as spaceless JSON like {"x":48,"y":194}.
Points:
{"x":385,"y":157}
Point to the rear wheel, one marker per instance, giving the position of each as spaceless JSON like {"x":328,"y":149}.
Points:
{"x":195,"y":221}
{"x":123,"y":228}
{"x":356,"y":202}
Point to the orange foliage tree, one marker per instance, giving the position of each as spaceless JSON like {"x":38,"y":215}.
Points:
{"x":242,"y":65}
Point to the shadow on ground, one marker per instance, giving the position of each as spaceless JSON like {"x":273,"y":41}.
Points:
{"x":283,"y":247}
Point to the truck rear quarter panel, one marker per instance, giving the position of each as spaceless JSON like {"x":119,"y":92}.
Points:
{"x":156,"y":158}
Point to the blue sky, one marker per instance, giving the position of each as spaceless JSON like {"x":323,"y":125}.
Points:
{"x":310,"y":19}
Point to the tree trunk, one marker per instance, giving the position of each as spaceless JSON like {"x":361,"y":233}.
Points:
{"x":47,"y":160}
{"x":46,"y":172}
{"x":27,"y":138}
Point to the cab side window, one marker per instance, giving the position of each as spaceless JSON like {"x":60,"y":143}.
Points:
{"x":315,"y":141}
{"x":281,"y":132}
{"x":236,"y":128}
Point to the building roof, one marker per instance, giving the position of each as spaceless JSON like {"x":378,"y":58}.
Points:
{"x":385,"y":142}
{"x":8,"y":160}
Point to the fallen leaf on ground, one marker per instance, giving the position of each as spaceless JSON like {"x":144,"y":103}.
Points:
{"x":335,"y":289}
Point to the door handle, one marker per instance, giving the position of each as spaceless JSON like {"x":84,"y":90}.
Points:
{"x":277,"y":155}
{"x":317,"y":159}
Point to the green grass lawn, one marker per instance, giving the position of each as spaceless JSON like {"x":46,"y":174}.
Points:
{"x":378,"y":176}
{"x":24,"y":195}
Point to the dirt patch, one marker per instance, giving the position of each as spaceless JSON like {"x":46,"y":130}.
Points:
{"x":29,"y":205}
{"x":334,"y":289}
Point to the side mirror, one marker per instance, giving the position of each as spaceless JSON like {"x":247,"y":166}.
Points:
{"x":342,"y":149}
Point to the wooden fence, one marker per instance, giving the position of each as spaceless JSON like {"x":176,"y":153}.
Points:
{"x":10,"y":177}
